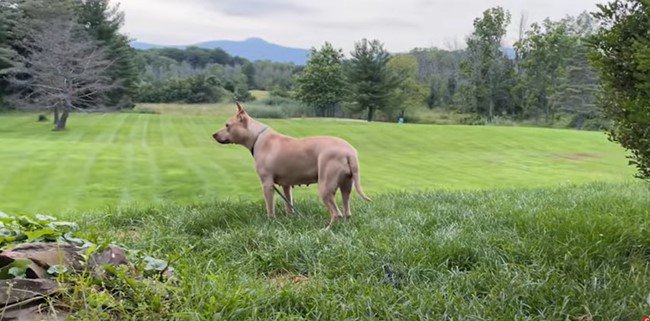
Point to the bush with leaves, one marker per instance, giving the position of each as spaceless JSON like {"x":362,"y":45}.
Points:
{"x":622,"y":56}
{"x":83,"y":278}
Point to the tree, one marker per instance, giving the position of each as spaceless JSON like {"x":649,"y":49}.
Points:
{"x":432,"y":98}
{"x":409,"y":93}
{"x":103,"y":21}
{"x":249,"y":70}
{"x":370,"y":82}
{"x":6,"y":52}
{"x":320,"y":84}
{"x":484,"y":64}
{"x":64,"y":67}
{"x":440,"y":69}
{"x":579,"y":84}
{"x":543,"y":53}
{"x":622,"y":57}
{"x":275,"y":76}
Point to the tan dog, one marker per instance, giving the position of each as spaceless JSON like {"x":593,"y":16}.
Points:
{"x":287,"y":161}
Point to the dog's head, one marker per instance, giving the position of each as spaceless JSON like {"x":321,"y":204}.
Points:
{"x":236,"y":130}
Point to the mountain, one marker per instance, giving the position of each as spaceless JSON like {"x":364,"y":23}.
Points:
{"x":251,"y":49}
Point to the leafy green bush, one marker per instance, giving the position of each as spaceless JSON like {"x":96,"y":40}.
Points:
{"x":472,"y":119}
{"x":622,"y":57}
{"x":257,"y":111}
{"x":277,"y":101}
{"x":94,"y":280}
{"x":196,"y":89}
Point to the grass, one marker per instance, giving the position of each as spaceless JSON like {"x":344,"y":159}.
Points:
{"x":467,"y":223}
{"x":130,"y":159}
{"x":570,"y":253}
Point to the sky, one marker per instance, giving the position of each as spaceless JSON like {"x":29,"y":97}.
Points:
{"x":400,"y":24}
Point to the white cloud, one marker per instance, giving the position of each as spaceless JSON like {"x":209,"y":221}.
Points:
{"x":401,"y":25}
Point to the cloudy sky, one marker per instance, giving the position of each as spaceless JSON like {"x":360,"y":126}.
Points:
{"x":400,"y":24}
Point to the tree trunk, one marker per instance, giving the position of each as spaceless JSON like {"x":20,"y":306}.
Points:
{"x":546,"y":111}
{"x":60,"y":125}
{"x":491,"y":109}
{"x":56,"y":115}
{"x":371,"y":111}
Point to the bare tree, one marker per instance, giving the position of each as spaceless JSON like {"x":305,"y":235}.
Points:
{"x":63,"y":70}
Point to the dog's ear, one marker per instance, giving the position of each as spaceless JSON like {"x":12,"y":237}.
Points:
{"x":240,"y":109}
{"x":242,"y":116}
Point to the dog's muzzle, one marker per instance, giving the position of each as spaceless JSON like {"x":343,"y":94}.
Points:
{"x":219,"y":140}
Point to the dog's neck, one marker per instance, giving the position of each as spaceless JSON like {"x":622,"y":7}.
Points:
{"x":256,"y":129}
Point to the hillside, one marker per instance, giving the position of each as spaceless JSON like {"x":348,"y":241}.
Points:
{"x":252,"y":49}
{"x":120,"y":159}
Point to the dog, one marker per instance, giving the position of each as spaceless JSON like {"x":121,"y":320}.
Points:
{"x":330,"y":162}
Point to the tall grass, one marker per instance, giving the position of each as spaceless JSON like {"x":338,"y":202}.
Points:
{"x":572,"y":253}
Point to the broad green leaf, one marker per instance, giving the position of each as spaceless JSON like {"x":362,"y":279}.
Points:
{"x":76,"y":241}
{"x":69,"y":226}
{"x":18,"y":272}
{"x":9,"y":271}
{"x":154,"y":264}
{"x":43,"y":233}
{"x":57,"y":270}
{"x":27,"y":222}
{"x":45,"y":218}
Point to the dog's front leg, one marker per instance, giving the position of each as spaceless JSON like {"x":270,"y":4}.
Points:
{"x":267,"y":187}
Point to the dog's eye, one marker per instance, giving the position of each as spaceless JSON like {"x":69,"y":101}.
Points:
{"x":227,"y":126}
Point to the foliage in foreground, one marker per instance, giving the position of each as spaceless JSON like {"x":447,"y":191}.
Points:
{"x":571,"y":253}
{"x":93,"y":279}
{"x":622,"y":55}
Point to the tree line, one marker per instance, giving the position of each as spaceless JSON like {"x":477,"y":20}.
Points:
{"x":548,"y":75}
{"x":198,"y":75}
{"x":593,"y":68}
{"x":67,"y":55}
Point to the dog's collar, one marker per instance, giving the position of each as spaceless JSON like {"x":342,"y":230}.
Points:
{"x":255,"y":141}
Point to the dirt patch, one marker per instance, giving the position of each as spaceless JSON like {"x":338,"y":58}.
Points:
{"x":280,"y":280}
{"x":580,"y":156}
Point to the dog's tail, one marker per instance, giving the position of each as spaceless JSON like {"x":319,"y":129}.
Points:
{"x":354,"y":170}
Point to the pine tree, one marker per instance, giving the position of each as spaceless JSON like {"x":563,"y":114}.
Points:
{"x":370,"y":81}
{"x":103,"y":21}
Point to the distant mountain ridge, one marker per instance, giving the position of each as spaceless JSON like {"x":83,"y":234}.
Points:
{"x":252,"y":49}
{"x":259,"y":49}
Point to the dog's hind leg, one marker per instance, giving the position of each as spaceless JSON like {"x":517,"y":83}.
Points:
{"x":346,"y":190}
{"x":328,"y":183}
{"x":328,"y":196}
{"x":287,"y":193}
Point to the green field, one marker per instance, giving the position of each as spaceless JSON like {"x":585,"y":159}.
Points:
{"x":571,"y":253}
{"x":127,"y":158}
{"x":467,"y":223}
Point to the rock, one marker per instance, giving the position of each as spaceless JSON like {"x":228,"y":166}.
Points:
{"x":35,"y":311}
{"x":22,"y":300}
{"x":17,"y":290}
{"x":44,"y":255}
{"x":111,"y":255}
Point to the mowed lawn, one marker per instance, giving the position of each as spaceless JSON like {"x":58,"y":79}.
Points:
{"x":135,"y":159}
